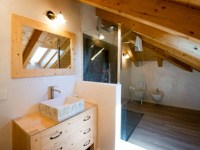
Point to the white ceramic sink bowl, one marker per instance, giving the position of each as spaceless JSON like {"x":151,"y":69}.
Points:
{"x":157,"y":95}
{"x":62,"y":108}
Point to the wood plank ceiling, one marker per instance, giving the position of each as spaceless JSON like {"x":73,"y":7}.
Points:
{"x":170,"y":17}
{"x":172,"y":29}
{"x":189,"y":3}
{"x":149,"y":53}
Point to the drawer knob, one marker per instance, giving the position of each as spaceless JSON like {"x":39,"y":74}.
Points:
{"x":88,"y":142}
{"x":87,"y":118}
{"x":51,"y":138}
{"x":61,"y":148}
{"x":87,"y":131}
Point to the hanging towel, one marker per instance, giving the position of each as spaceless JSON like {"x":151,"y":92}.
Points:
{"x":138,"y":44}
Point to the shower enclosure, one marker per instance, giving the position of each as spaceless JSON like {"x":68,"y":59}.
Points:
{"x":100,"y":54}
{"x":100,"y":64}
{"x":132,"y":81}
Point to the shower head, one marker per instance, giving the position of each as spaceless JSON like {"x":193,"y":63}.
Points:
{"x":110,"y":28}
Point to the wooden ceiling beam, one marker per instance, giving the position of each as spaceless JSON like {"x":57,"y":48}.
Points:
{"x":130,"y":53}
{"x":106,"y":23}
{"x":62,"y":58}
{"x":30,"y":47}
{"x":66,"y":60}
{"x":160,"y":61}
{"x":163,"y":15}
{"x":177,"y":54}
{"x":50,"y":60}
{"x":65,"y":45}
{"x":189,"y":3}
{"x":161,"y":54}
{"x":174,"y":45}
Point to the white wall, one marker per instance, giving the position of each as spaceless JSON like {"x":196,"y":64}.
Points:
{"x":25,"y":94}
{"x":108,"y":99}
{"x":88,"y":22}
{"x":88,"y":17}
{"x":181,"y":88}
{"x":106,"y":96}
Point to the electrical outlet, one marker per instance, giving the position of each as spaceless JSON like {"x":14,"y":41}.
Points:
{"x":3,"y":95}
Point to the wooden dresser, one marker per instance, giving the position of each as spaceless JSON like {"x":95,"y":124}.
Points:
{"x":37,"y":132}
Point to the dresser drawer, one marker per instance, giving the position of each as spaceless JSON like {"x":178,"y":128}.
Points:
{"x":53,"y":135}
{"x":76,"y":125}
{"x":77,"y":137}
{"x":71,"y":140}
{"x":84,"y":144}
{"x":60,"y":146}
{"x":79,"y":121}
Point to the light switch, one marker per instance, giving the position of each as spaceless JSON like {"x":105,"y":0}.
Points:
{"x":3,"y":95}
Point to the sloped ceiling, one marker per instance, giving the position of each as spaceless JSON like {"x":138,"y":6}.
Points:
{"x":163,"y":15}
{"x":169,"y":26}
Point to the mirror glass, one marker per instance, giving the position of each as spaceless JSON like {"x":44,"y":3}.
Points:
{"x":43,"y":50}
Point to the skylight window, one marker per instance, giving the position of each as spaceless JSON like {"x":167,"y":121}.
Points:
{"x":38,"y":55}
{"x":54,"y":59}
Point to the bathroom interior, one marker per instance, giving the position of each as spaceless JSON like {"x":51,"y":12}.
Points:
{"x":152,"y":86}
{"x":128,"y":83}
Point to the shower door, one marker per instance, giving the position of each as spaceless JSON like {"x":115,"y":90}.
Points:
{"x":100,"y":56}
{"x":131,"y":75}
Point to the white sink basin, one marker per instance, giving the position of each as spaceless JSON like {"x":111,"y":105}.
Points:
{"x":62,"y":108}
{"x":157,"y":95}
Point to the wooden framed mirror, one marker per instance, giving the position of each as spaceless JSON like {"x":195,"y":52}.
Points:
{"x":40,"y":50}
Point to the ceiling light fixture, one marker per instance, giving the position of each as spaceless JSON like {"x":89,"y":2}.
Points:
{"x":98,"y":28}
{"x":59,"y":19}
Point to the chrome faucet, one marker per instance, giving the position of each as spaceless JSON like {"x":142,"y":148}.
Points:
{"x":51,"y":90}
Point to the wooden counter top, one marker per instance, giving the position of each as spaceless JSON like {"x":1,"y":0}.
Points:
{"x":36,"y":122}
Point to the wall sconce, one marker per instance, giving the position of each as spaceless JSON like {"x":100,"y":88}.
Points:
{"x":59,"y":19}
{"x":126,"y":55}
